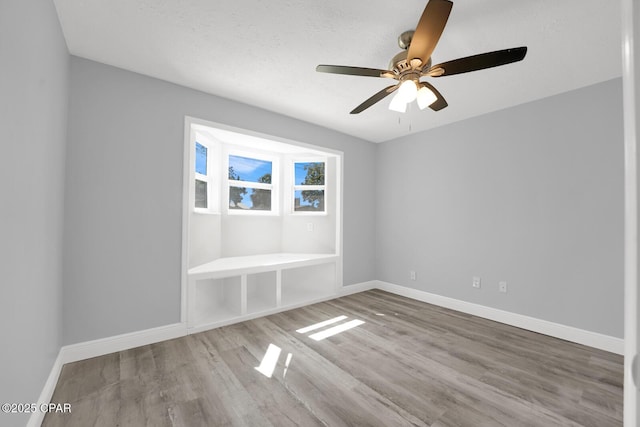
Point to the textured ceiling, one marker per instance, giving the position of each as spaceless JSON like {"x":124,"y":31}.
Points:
{"x":264,"y":53}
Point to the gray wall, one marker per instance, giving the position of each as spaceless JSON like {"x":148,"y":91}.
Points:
{"x":124,"y":196}
{"x":532,"y":195}
{"x":34,"y":75}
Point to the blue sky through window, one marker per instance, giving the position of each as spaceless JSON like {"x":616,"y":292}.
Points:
{"x":249,"y":169}
{"x":201,"y":159}
{"x":308,"y":173}
{"x":301,"y":173}
{"x":299,"y":200}
{"x":247,"y":202}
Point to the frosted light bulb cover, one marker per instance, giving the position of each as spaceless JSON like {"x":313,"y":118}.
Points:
{"x":398,"y":104}
{"x":408,"y":91}
{"x":425,"y":97}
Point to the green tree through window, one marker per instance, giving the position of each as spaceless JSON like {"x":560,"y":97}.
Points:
{"x":315,"y":176}
{"x":309,"y":186}
{"x":235,"y":193}
{"x":261,"y":199}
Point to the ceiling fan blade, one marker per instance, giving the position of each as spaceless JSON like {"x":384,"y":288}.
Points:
{"x":375,"y":98}
{"x":352,"y":71}
{"x":429,"y":29}
{"x":440,"y":103}
{"x":478,"y":62}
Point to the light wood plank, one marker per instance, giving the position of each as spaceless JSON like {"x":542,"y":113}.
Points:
{"x":410,"y":363}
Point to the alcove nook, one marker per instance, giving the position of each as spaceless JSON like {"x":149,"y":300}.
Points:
{"x":261,"y":226}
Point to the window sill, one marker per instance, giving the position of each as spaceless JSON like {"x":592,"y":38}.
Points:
{"x":250,"y":213}
{"x":205,"y":212}
{"x":308,"y":213}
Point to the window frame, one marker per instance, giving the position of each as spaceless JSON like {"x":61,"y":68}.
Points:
{"x":274,"y":186}
{"x":301,"y":187}
{"x":211,"y":178}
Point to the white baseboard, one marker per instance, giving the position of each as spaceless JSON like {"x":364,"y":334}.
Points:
{"x":568,"y":333}
{"x":99,"y":347}
{"x":358,"y":287}
{"x":36,"y":418}
{"x":85,"y":350}
{"x":342,"y":291}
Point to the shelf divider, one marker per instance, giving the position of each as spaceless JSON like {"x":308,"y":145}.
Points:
{"x":278,"y":287}
{"x":243,"y":294}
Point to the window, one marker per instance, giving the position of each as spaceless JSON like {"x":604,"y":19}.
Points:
{"x":251,"y":184}
{"x":202,"y":177}
{"x":309,"y":186}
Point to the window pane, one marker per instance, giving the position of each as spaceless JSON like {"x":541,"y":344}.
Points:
{"x":201,"y":159}
{"x":309,"y":201}
{"x":250,"y":170}
{"x":201,"y":194}
{"x":309,"y":173}
{"x":249,"y":199}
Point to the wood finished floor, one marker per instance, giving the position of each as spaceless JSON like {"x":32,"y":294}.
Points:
{"x":410,"y":363}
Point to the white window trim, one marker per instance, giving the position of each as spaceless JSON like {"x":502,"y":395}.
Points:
{"x":274,"y":186}
{"x":297,"y":187}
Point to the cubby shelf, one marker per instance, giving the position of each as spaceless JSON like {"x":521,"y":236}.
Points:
{"x":236,"y":288}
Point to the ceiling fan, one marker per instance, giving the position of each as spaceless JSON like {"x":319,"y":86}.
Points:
{"x":414,"y":62}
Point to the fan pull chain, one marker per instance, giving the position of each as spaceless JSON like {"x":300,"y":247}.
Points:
{"x":400,"y":123}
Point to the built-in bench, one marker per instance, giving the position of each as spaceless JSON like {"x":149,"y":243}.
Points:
{"x":234,"y":289}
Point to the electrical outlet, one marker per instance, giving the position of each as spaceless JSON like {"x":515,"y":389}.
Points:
{"x":412,"y":275}
{"x":502,"y":287}
{"x":309,"y":226}
{"x":476,"y":282}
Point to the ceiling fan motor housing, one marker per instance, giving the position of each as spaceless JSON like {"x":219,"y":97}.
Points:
{"x":399,"y":63}
{"x":404,"y":39}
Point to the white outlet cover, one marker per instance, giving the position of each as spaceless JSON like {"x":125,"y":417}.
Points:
{"x":502,"y":287}
{"x":476,"y":282}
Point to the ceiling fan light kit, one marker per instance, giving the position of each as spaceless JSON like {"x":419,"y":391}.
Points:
{"x":425,"y":97}
{"x":408,"y":91}
{"x":398,"y":104}
{"x":414,"y":62}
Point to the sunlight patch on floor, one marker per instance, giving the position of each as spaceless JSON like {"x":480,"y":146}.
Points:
{"x":286,"y":364}
{"x":320,"y":325}
{"x":319,"y":336}
{"x":269,"y":361}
